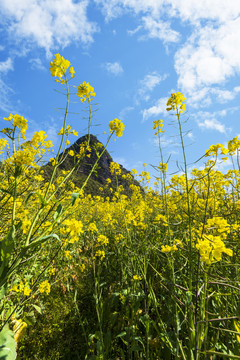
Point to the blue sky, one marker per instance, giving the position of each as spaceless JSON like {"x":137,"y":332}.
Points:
{"x":135,"y":53}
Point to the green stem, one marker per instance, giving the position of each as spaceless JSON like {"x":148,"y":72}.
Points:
{"x":190,"y":267}
{"x":54,"y":169}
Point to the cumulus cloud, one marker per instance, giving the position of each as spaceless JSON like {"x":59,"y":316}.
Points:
{"x":114,"y":68}
{"x":123,"y":113}
{"x":210,"y":57}
{"x":208,"y":121}
{"x":204,"y":96}
{"x":48,"y":23}
{"x":5,"y":94}
{"x":149,"y":82}
{"x":155,"y":110}
{"x":6,"y":65}
{"x":160,"y":30}
{"x":212,"y":124}
{"x":149,"y":11}
{"x":134,"y":31}
{"x":224,"y":95}
{"x":188,"y":10}
{"x":37,"y":64}
{"x":5,"y":90}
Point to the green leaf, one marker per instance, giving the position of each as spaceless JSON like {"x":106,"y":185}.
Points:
{"x":6,"y":191}
{"x":29,"y":318}
{"x":58,"y":212}
{"x":189,"y":297}
{"x":28,"y":197}
{"x":6,"y":249}
{"x":2,"y":291}
{"x":42,"y":201}
{"x":123,"y":333}
{"x":40,"y":241}
{"x":74,"y":197}
{"x":39,"y":310}
{"x":7,"y":344}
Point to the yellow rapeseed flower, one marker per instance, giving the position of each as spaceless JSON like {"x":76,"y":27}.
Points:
{"x":137,"y":277}
{"x":44,"y":287}
{"x":59,"y":66}
{"x":3,"y":144}
{"x":71,"y":153}
{"x":176,"y":102}
{"x":20,"y":122}
{"x":116,"y":125}
{"x":102,"y":240}
{"x":85,"y":91}
{"x":19,"y":328}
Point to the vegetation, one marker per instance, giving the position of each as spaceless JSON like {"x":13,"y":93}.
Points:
{"x":135,"y":275}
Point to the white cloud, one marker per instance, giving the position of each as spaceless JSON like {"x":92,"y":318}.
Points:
{"x":124,"y":112}
{"x":149,"y":82}
{"x":223,"y":166}
{"x":159,"y":29}
{"x":210,"y":57}
{"x":133,"y":32}
{"x":48,"y":23}
{"x":188,"y":10}
{"x":165,"y":142}
{"x":114,"y":68}
{"x":212,"y":124}
{"x":150,"y":16}
{"x":195,"y":10}
{"x":208,"y":121}
{"x":190,"y":135}
{"x":5,"y":90}
{"x":5,"y":66}
{"x":159,"y":108}
{"x":5,"y":95}
{"x":205,"y":95}
{"x":37,"y":64}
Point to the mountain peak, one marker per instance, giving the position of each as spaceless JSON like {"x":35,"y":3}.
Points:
{"x":102,"y":171}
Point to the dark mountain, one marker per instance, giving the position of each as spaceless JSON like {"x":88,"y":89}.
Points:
{"x":102,"y":171}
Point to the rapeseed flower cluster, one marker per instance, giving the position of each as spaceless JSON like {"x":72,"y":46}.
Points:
{"x":100,"y":254}
{"x":3,"y":145}
{"x":59,"y":67}
{"x":72,"y":228}
{"x":215,"y":150}
{"x":176,"y":102}
{"x":102,"y":240}
{"x":85,"y":92}
{"x":22,"y":287}
{"x":118,"y":126}
{"x":211,"y":249}
{"x":137,"y":277}
{"x":158,"y":125}
{"x":115,"y":168}
{"x":163,"y":167}
{"x":19,"y":328}
{"x":45,"y":287}
{"x":17,"y":121}
{"x":233,"y":145}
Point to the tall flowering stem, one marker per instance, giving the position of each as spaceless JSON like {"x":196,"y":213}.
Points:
{"x":176,"y":103}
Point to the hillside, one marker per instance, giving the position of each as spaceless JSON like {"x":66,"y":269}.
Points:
{"x":100,"y":174}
